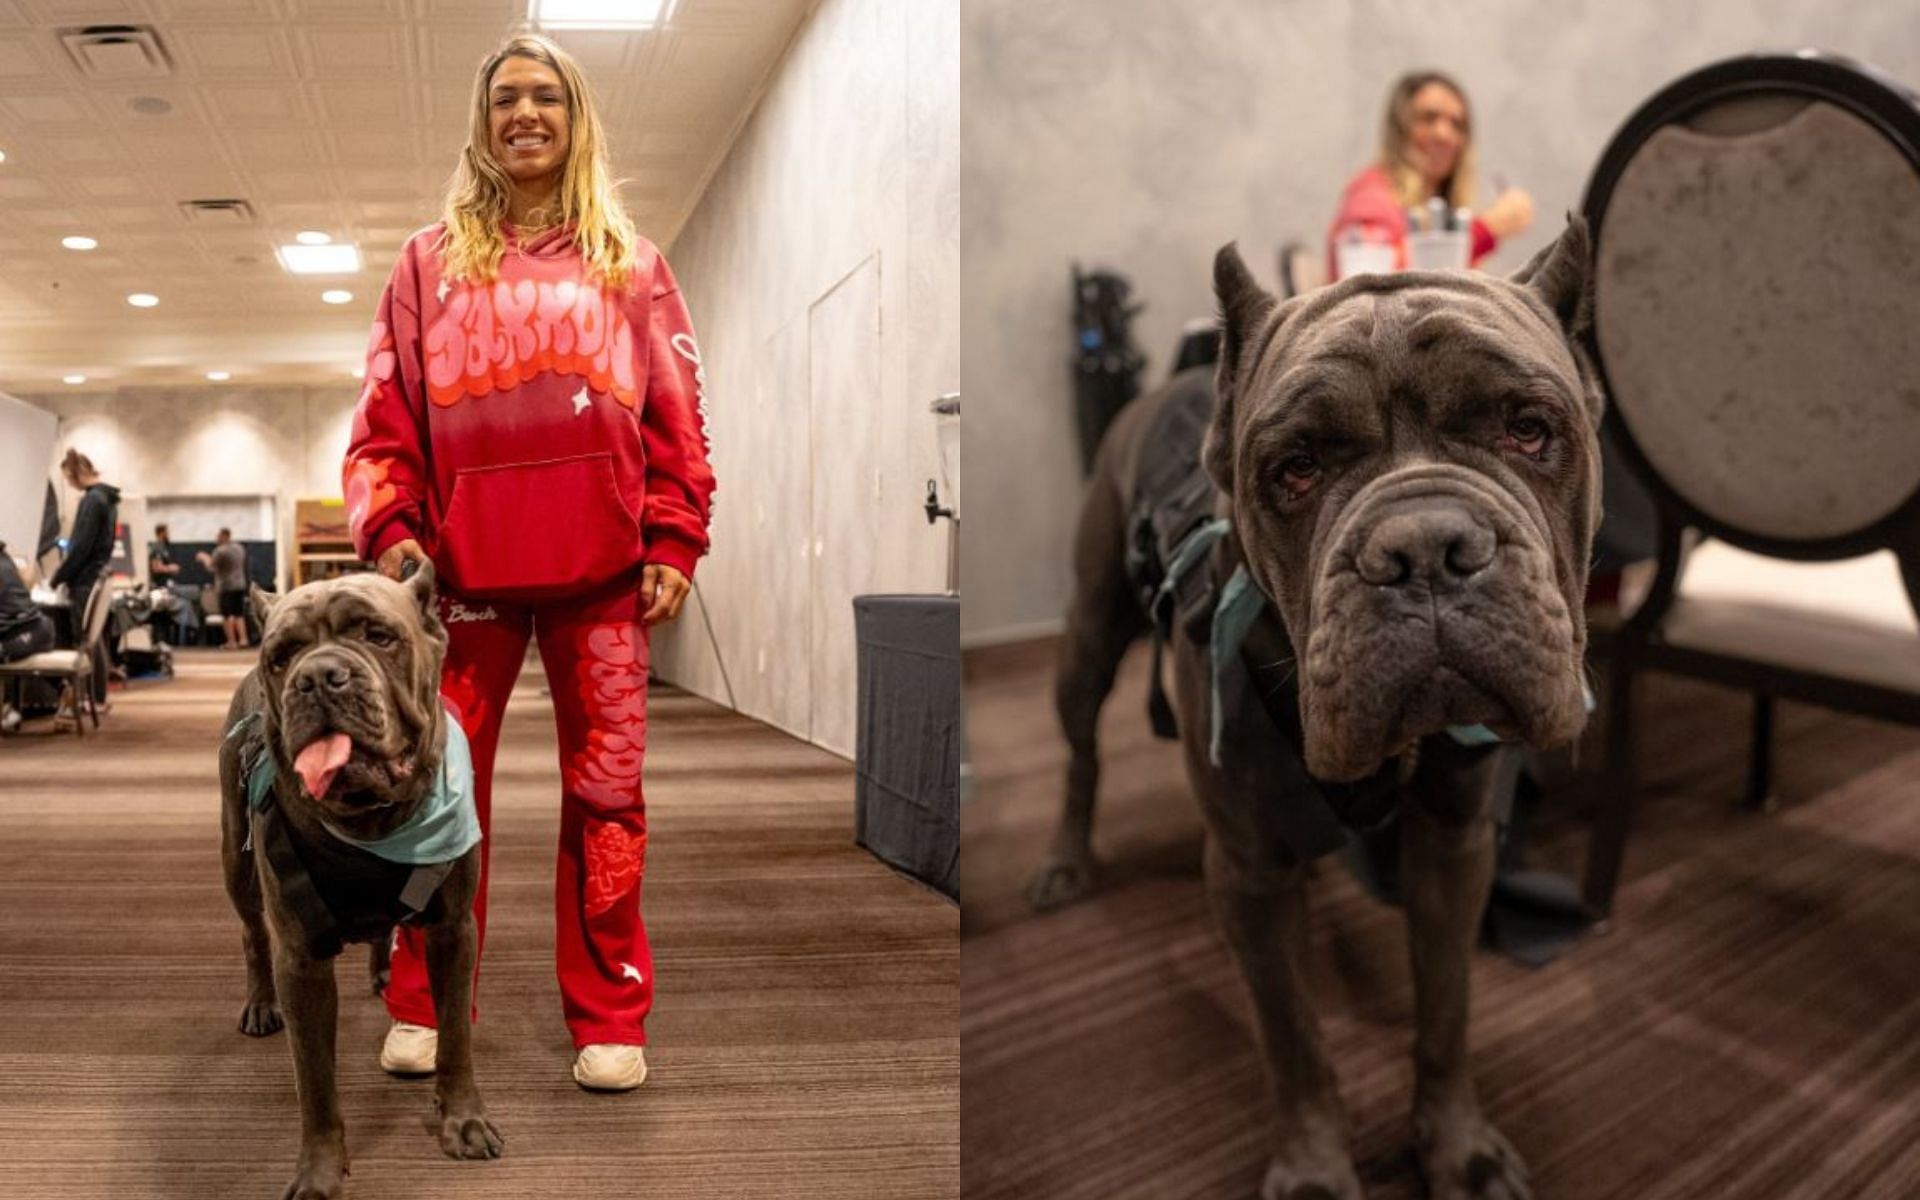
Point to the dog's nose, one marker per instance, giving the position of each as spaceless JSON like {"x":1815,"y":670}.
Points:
{"x":1439,"y":545}
{"x":331,"y":675}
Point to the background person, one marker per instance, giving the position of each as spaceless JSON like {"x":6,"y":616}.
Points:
{"x":555,"y":468}
{"x":228,"y":562}
{"x":1426,"y":150}
{"x":89,"y":549}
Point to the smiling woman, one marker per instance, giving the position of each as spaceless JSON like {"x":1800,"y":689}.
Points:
{"x":531,"y":426}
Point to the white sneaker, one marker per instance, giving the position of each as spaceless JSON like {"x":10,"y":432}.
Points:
{"x":10,"y":719}
{"x":608,"y":1067}
{"x":410,"y":1049}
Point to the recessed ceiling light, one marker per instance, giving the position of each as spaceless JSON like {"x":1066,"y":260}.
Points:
{"x":599,"y":14}
{"x":320,"y":260}
{"x":78,"y":243}
{"x":219,"y":376}
{"x":143,"y":299}
{"x":73,"y":379}
{"x":337,"y":297}
{"x":311,"y":237}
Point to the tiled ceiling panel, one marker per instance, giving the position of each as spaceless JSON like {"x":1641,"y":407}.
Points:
{"x":345,"y":116}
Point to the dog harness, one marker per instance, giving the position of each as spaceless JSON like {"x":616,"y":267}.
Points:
{"x":343,"y":889}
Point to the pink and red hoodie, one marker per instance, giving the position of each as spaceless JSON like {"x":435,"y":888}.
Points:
{"x":537,"y":435}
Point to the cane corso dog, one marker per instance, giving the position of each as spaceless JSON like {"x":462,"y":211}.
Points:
{"x":1410,"y":470}
{"x":337,"y":742}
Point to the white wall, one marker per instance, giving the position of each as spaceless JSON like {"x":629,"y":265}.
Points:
{"x":26,"y":443}
{"x":1140,"y":135}
{"x":822,"y":270}
{"x":286,"y":443}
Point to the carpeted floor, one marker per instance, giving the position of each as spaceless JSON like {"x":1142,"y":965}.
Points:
{"x":1750,"y":1030}
{"x":804,"y":1040}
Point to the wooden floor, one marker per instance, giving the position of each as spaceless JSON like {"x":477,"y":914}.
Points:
{"x":1750,"y":1030}
{"x":804,"y":1041}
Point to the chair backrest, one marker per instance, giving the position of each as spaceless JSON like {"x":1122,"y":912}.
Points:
{"x":1302,"y":269}
{"x":99,"y":604}
{"x":1756,"y":227}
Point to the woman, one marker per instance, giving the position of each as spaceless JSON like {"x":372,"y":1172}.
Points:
{"x":89,"y":550}
{"x":1426,"y":150}
{"x":533,"y":423}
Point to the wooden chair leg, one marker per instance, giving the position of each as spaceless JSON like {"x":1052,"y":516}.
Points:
{"x":1612,"y":821}
{"x":1760,"y":797}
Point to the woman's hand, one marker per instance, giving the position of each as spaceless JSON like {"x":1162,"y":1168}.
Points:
{"x":665,"y":590}
{"x":394,"y":559}
{"x":1510,"y":213}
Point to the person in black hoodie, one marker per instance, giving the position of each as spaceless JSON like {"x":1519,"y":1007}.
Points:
{"x":89,"y":547}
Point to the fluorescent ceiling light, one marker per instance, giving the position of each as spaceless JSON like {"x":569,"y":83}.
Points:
{"x":311,"y":237}
{"x":599,"y":14}
{"x":73,"y":379}
{"x":143,"y":299}
{"x":219,"y":376}
{"x":320,"y":260}
{"x":78,"y":243}
{"x":337,"y":297}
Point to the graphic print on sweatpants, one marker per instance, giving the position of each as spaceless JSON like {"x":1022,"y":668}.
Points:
{"x":595,"y":653}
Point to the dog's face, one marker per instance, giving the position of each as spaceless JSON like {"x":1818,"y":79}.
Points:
{"x":351,"y":670}
{"x":1415,"y":478}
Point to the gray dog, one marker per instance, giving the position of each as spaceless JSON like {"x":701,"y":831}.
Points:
{"x":1405,"y":478}
{"x":342,"y":813}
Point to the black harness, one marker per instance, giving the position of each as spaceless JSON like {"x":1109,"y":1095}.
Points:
{"x":338,"y":892}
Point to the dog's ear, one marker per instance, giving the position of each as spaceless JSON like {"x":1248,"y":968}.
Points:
{"x":263,"y":602}
{"x":420,"y":584}
{"x":1244,"y":309}
{"x":1561,"y":275}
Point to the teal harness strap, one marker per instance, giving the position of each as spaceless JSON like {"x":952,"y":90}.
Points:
{"x":1233,"y":615}
{"x":1191,"y":550}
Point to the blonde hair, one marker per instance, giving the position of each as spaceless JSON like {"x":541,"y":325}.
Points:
{"x":1396,"y":152}
{"x":477,"y":193}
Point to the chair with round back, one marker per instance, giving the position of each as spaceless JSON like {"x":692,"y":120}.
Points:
{"x":1757,"y":244}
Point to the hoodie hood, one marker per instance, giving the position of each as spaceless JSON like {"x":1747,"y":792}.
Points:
{"x":547,"y":243}
{"x":108,"y":492}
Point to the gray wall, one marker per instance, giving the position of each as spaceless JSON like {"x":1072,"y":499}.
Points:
{"x":1140,"y":136}
{"x":822,"y":271}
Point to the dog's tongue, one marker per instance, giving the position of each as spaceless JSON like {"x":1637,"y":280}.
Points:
{"x":321,"y":761}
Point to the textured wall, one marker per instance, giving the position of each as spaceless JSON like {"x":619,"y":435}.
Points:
{"x":1140,"y":136}
{"x":822,"y":271}
{"x":228,"y":441}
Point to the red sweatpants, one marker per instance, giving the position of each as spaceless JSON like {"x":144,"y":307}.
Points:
{"x":595,"y":652}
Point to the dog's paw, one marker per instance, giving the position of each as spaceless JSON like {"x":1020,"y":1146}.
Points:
{"x":470,"y":1134}
{"x":322,"y":1179}
{"x":1311,"y":1175}
{"x":1467,"y":1159}
{"x":261,"y":1018}
{"x":1061,"y":882}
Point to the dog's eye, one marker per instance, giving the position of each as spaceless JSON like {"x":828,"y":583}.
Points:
{"x":1298,"y":471}
{"x":281,"y":657}
{"x":379,"y":635}
{"x":1528,"y":436}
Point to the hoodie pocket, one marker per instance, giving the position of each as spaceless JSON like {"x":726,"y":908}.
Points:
{"x":534,"y":529}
